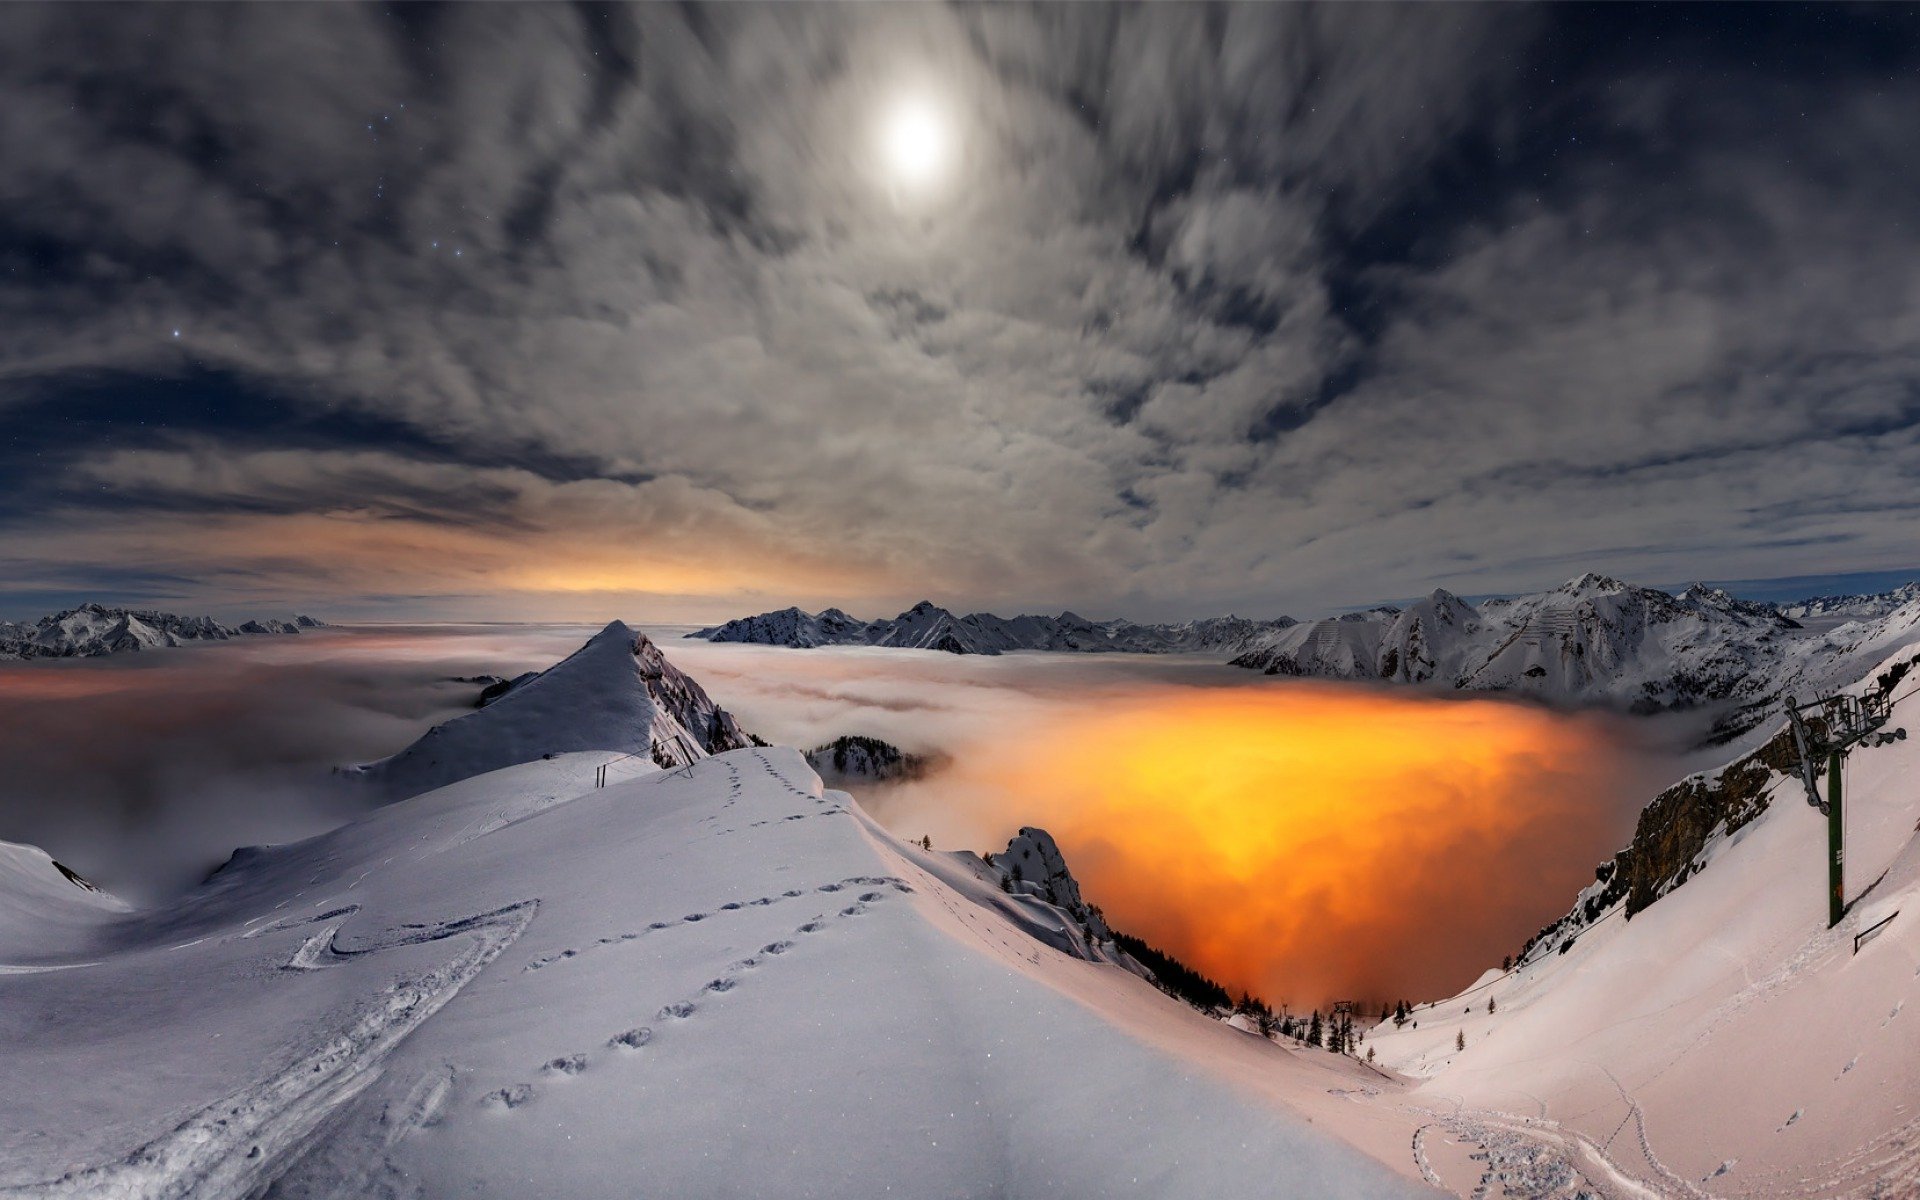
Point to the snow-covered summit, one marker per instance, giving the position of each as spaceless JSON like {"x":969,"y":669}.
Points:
{"x":617,"y":693}
{"x":95,"y":629}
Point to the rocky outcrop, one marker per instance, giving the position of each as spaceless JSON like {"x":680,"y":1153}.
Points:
{"x":856,"y":760}
{"x":1032,"y":865}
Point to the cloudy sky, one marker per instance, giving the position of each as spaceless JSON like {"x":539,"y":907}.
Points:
{"x":551,"y":311}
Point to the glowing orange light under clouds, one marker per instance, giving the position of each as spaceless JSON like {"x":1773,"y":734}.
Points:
{"x":1306,"y":841}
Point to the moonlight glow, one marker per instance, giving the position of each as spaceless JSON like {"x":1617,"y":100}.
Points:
{"x":916,"y":142}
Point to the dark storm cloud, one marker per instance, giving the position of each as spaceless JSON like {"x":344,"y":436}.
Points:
{"x":1253,"y":306}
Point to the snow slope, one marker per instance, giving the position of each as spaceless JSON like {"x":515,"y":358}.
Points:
{"x":93,"y":629}
{"x":718,"y":980}
{"x":1723,"y":1041}
{"x":616,"y":693}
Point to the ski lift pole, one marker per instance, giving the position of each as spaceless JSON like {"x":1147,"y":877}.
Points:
{"x":1836,"y":845}
{"x":1827,"y":728}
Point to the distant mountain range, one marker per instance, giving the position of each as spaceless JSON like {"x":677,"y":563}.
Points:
{"x":1593,"y":639}
{"x":95,"y":629}
{"x":927,"y":626}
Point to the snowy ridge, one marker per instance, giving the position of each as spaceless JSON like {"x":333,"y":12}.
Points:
{"x":926,"y":626}
{"x":625,"y":959}
{"x":94,"y":629}
{"x":616,"y":693}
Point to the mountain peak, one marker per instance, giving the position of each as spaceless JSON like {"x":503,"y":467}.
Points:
{"x":1594,"y":581}
{"x":617,"y":693}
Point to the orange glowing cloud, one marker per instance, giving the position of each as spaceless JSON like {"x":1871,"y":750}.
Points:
{"x":1306,"y":841}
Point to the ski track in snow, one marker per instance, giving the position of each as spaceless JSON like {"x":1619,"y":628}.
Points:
{"x":1529,"y":1159}
{"x":236,"y":1146}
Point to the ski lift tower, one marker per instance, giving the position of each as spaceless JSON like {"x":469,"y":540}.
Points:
{"x":1825,"y":729}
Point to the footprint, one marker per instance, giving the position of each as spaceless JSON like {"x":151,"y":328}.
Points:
{"x":853,"y":910}
{"x":721,"y":985}
{"x":794,"y":892}
{"x":566,"y":1064}
{"x":659,"y":925}
{"x":871,"y":896}
{"x":730,"y":906}
{"x":511,"y":1096}
{"x":776,"y":947}
{"x":680,"y":1009}
{"x":632,"y":1039}
{"x":813,"y":927}
{"x":692,"y":917}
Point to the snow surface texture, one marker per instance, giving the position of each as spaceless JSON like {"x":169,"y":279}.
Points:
{"x":92,"y":630}
{"x":1724,"y":1041}
{"x":721,"y":980}
{"x":616,"y":693}
{"x":926,"y":626}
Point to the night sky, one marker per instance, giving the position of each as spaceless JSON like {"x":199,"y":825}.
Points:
{"x":1161,"y":311}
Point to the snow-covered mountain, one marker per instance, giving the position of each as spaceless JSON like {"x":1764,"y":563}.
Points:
{"x":617,"y":693}
{"x":95,"y":629}
{"x":1692,"y":1027}
{"x":1594,"y":639}
{"x":926,"y":626}
{"x":716,"y":980}
{"x":1852,"y":608}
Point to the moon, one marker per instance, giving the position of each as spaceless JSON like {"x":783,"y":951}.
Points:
{"x":916,"y":143}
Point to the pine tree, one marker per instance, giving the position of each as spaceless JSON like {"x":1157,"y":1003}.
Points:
{"x":1493,"y":1006}
{"x":1460,"y":1040}
{"x":1316,"y":1035}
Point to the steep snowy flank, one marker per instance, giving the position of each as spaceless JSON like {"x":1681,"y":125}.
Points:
{"x":722,"y":980}
{"x":42,"y":903}
{"x":616,"y":693}
{"x":1693,"y":1026}
{"x":1594,"y":639}
{"x":926,"y":626}
{"x":94,"y":629}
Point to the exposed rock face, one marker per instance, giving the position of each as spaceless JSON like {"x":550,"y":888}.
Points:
{"x":1033,"y":866}
{"x":856,"y":759}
